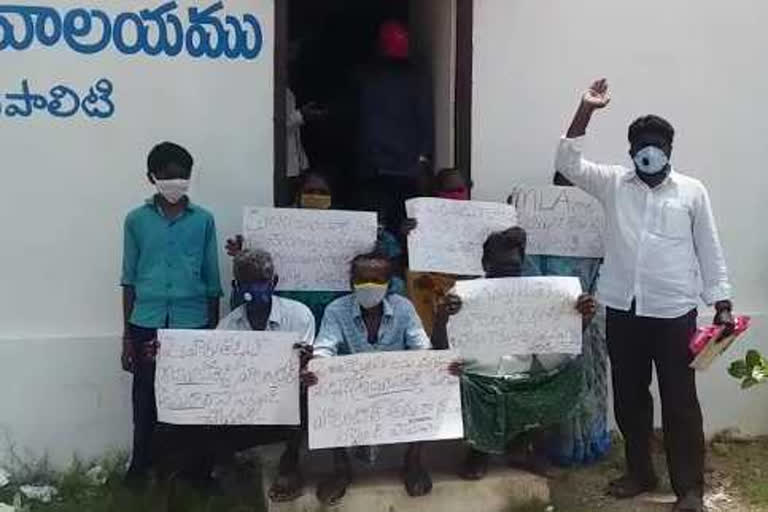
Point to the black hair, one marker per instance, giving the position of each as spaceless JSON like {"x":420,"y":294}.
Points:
{"x":502,"y":240}
{"x":376,"y":255}
{"x":561,"y":181}
{"x":651,"y":124}
{"x":167,"y":153}
{"x":313,"y":173}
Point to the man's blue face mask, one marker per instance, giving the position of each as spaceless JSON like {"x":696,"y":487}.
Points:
{"x":256,"y":293}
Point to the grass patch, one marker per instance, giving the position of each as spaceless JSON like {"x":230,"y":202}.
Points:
{"x":745,"y":464}
{"x":82,"y":489}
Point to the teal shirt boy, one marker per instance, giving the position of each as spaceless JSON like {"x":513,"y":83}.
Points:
{"x":173,"y":266}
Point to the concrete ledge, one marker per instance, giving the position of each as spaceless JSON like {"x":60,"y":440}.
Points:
{"x":380,"y":489}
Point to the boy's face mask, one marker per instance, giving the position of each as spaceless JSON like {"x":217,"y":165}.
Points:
{"x":315,"y":201}
{"x":172,"y":190}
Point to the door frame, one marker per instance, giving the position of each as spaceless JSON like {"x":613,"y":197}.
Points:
{"x":463,"y":88}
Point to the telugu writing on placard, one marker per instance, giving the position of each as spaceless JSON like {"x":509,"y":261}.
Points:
{"x":516,"y":316}
{"x":384,"y":398}
{"x":312,"y":249}
{"x":450,"y":234}
{"x":560,"y":221}
{"x":227,"y":378}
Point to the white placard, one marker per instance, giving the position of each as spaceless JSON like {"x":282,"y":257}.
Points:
{"x":227,"y":378}
{"x":312,"y":249}
{"x":516,"y":316}
{"x":560,"y":221}
{"x":450,"y":234}
{"x":384,"y":398}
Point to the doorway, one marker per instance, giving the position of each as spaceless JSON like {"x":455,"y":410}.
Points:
{"x":319,"y":46}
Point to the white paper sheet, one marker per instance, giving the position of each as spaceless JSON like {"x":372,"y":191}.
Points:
{"x":516,"y":316}
{"x":450,"y":234}
{"x":227,"y":378}
{"x":312,"y":249}
{"x":384,"y":398}
{"x":560,"y":221}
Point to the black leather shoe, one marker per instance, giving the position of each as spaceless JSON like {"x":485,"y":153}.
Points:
{"x":691,"y":502}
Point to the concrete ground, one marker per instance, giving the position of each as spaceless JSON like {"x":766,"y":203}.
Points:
{"x":379,"y":488}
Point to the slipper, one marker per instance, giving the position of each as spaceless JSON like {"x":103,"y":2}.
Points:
{"x":475,"y":466}
{"x":417,"y":481}
{"x":330,"y":492}
{"x":287,"y":487}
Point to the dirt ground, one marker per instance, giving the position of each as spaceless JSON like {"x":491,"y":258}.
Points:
{"x":736,"y":481}
{"x":736,"y":477}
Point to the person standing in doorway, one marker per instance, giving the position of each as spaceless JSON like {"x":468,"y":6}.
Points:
{"x":396,"y":133}
{"x":663,"y":253}
{"x":296,"y":118}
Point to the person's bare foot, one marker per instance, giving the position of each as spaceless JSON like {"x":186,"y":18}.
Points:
{"x":287,"y":486}
{"x":475,"y":465}
{"x":628,"y":487}
{"x":416,"y":479}
{"x":331,"y":491}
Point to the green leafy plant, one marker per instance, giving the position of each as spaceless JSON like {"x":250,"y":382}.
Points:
{"x":751,"y":371}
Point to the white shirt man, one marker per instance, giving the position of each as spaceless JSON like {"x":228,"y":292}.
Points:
{"x":663,"y":253}
{"x":285,"y":316}
{"x":663,"y":249}
{"x":262,"y":310}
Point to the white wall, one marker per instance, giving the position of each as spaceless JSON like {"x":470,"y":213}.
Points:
{"x":695,"y":63}
{"x":68,"y":184}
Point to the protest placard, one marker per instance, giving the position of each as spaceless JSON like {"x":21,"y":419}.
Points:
{"x":384,"y":398}
{"x":560,"y":221}
{"x":227,"y":378}
{"x":450,"y":234}
{"x":312,"y":249}
{"x":516,"y":316}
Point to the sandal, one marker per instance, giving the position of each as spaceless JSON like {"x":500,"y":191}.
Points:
{"x":330,"y":492}
{"x":628,"y":487}
{"x":475,"y":465}
{"x":417,"y":480}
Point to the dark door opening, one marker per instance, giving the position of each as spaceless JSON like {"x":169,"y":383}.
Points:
{"x":319,"y":47}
